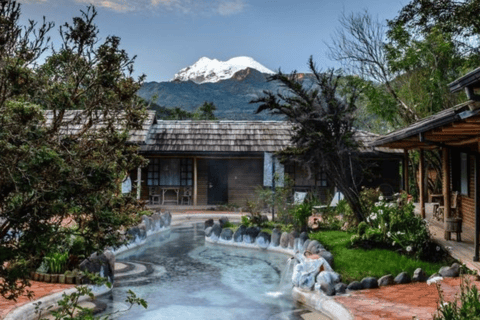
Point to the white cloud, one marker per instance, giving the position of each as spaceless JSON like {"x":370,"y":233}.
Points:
{"x":227,"y":8}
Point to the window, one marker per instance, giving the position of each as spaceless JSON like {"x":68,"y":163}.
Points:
{"x":186,"y":172}
{"x":460,"y":172}
{"x":322,"y":179}
{"x":170,"y":172}
{"x":463,"y":173}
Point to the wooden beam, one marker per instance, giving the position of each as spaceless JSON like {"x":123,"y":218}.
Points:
{"x":446,"y":189}
{"x":405,"y":171}
{"x":195,"y":179}
{"x":464,"y":142}
{"x":421,"y":183}
{"x":476,"y":240}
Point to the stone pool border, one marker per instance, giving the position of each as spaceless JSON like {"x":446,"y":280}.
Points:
{"x":150,"y":225}
{"x":315,"y":300}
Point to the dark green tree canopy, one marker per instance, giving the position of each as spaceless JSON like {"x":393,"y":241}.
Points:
{"x":51,"y":174}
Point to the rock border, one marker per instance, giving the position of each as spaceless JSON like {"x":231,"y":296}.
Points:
{"x":156,"y":223}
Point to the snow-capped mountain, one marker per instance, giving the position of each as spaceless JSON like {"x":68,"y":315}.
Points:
{"x":213,"y":70}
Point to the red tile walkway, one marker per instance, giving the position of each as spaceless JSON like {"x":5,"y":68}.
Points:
{"x":407,"y":301}
{"x":40,"y":289}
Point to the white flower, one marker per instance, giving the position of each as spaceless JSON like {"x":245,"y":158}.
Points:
{"x":379,"y":227}
{"x":434,"y":280}
{"x":378,"y":204}
{"x":368,"y":219}
{"x":409,"y":249}
{"x":380,"y":198}
{"x":393,"y":244}
{"x":386,"y":224}
{"x":373,"y":216}
{"x":438,"y":248}
{"x":389,"y":234}
{"x":380,"y":211}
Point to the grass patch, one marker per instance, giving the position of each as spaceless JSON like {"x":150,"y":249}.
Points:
{"x":355,"y":263}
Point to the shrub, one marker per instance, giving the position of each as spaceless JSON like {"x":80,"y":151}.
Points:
{"x":465,"y":307}
{"x":300,"y":213}
{"x":362,"y":227}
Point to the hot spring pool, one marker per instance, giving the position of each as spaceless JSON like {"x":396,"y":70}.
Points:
{"x":196,"y":280}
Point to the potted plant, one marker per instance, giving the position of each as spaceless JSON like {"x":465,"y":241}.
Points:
{"x":46,"y":277}
{"x":56,"y":263}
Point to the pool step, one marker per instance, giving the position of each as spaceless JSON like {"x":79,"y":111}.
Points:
{"x":136,"y":273}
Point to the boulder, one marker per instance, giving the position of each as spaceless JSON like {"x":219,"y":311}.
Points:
{"x":142,"y":234}
{"x":148,"y":222}
{"x":157,"y":221}
{"x":355,"y":285}
{"x":328,"y":288}
{"x":298,"y":244}
{"x":303,"y":237}
{"x":222,"y":221}
{"x":276,"y":234}
{"x":216,"y":230}
{"x":226,"y":234}
{"x":435,"y":275}
{"x":103,"y":264}
{"x":419,"y":275}
{"x":450,"y":272}
{"x":386,"y":280}
{"x":263,"y":240}
{"x":305,"y":244}
{"x":284,"y":238}
{"x":329,"y":277}
{"x":340,"y":288}
{"x":134,"y":232}
{"x":208,"y":231}
{"x":369,"y":283}
{"x":166,"y":218}
{"x":291,"y":239}
{"x":305,"y":272}
{"x":209,"y":223}
{"x":327,"y":255}
{"x":315,"y":247}
{"x":402,"y":277}
{"x":251,"y":234}
{"x":238,"y":236}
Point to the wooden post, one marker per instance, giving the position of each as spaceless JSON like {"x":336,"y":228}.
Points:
{"x":195,"y":185}
{"x":139,"y":183}
{"x":421,"y":183}
{"x":405,"y":171}
{"x":446,"y":189}
{"x":476,"y":242}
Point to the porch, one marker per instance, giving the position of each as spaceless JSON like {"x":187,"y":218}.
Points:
{"x":462,"y":251}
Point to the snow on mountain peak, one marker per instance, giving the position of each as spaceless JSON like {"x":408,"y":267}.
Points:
{"x":213,"y":70}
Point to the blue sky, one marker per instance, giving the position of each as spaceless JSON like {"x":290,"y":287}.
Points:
{"x":168,"y":35}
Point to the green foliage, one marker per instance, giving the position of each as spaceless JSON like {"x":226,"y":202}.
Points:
{"x":57,"y":261}
{"x":47,"y":177}
{"x":205,"y":112}
{"x":361,"y":228}
{"x":300,"y":213}
{"x":465,"y":307}
{"x":353,"y":264}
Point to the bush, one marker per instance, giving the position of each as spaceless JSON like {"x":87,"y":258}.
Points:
{"x":467,"y":307}
{"x":362,"y":227}
{"x":300,"y":214}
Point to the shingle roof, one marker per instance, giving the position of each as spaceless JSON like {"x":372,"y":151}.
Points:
{"x":189,"y":136}
{"x":218,"y":136}
{"x":467,"y":80}
{"x":73,"y":121}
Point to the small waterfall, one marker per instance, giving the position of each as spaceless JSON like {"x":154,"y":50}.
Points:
{"x":285,"y":285}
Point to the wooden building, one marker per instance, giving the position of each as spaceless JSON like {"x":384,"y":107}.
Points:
{"x":456,"y":132}
{"x":222,"y":162}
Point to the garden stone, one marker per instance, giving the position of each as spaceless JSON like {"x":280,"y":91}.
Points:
{"x":435,"y":275}
{"x":157,"y":222}
{"x":303,"y":236}
{"x":355,"y":285}
{"x":419,"y":275}
{"x":284,"y":240}
{"x":226,"y":234}
{"x":369,"y":283}
{"x":222,"y":221}
{"x":263,"y":240}
{"x":276,"y":234}
{"x":238,"y":236}
{"x":250,"y":234}
{"x":328,"y":277}
{"x":402,"y":277}
{"x":386,"y":280}
{"x":216,"y":230}
{"x":208,"y":231}
{"x":167,"y":218}
{"x":298,"y":244}
{"x":305,"y":244}
{"x":450,"y":272}
{"x":340,"y":288}
{"x":328,"y":288}
{"x":209,"y":223}
{"x":291,"y":239}
{"x":142,"y":231}
{"x":327,"y":255}
{"x":103,"y":264}
{"x":134,"y":232}
{"x":148,"y":222}
{"x":305,"y":272}
{"x":315,"y":247}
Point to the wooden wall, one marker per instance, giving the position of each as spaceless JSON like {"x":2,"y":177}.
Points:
{"x":467,"y":203}
{"x":244,"y":175}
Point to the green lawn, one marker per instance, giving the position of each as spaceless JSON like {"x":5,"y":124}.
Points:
{"x":355,"y":264}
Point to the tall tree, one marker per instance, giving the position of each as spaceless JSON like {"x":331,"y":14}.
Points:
{"x":324,"y":136}
{"x":66,"y":169}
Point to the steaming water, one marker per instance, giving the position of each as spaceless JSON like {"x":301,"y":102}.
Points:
{"x":207,"y":281}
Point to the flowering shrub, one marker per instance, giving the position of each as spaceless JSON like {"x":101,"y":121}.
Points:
{"x":394,"y":224}
{"x":465,"y":307}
